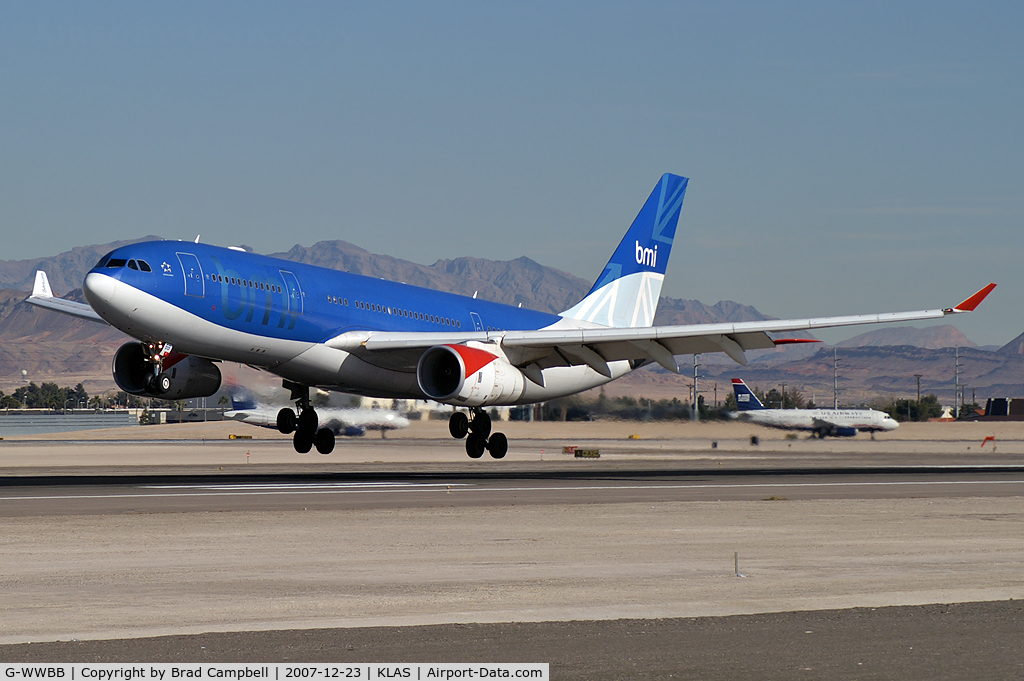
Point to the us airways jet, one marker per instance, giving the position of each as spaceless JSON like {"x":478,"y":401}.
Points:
{"x":821,"y":422}
{"x":191,"y":305}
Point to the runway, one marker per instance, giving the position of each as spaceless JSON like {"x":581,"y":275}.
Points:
{"x":145,"y":543}
{"x":262,"y":492}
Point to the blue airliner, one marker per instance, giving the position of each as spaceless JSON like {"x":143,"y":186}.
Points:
{"x":191,"y":305}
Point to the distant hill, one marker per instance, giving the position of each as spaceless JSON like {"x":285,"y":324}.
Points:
{"x":865,"y":374}
{"x":512,"y":282}
{"x":933,"y":337}
{"x":1014,"y":347}
{"x":64,"y":271}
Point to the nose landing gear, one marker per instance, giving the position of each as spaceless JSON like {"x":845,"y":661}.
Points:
{"x":478,"y":434}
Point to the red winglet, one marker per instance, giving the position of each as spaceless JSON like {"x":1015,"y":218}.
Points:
{"x":787,"y":341}
{"x":975,"y":300}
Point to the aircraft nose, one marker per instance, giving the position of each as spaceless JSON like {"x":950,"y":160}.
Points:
{"x":99,"y":290}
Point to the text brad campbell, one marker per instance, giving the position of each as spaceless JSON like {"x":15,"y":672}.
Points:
{"x":272,"y":672}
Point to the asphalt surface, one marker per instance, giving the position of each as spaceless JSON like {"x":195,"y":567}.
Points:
{"x":845,"y":529}
{"x":445,"y":487}
{"x":936,"y":642}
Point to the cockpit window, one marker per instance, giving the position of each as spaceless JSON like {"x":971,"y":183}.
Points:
{"x":116,"y":262}
{"x":144,"y":266}
{"x":103,"y":261}
{"x":132,"y":265}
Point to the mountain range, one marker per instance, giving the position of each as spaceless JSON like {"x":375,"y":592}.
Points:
{"x":53,"y":347}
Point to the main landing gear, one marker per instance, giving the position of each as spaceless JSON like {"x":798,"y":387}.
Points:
{"x":477,"y":432}
{"x":305,"y":425}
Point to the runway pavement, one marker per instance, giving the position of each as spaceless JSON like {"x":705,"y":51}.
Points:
{"x":114,"y":540}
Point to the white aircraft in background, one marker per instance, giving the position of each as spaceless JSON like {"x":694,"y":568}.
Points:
{"x":821,"y":422}
{"x":192,"y":305}
{"x":352,"y":422}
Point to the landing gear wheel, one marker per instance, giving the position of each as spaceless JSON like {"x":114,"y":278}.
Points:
{"x":458,"y":425}
{"x":163,"y":384}
{"x":303,"y":442}
{"x":481,"y":424}
{"x":475,"y":446}
{"x":324,"y":440}
{"x":286,"y":421}
{"x":308,"y":422}
{"x":497,"y":445}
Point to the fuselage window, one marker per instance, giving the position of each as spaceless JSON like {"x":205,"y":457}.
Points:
{"x":458,"y":323}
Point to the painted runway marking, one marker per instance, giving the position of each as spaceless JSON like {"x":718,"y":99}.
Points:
{"x":249,"y":490}
{"x":312,"y":485}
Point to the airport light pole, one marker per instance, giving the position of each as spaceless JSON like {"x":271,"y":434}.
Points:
{"x":957,"y":391}
{"x":835,"y":378}
{"x":783,"y":395}
{"x":918,"y":377}
{"x":694,"y":412}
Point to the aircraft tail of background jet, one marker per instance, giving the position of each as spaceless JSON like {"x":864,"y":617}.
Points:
{"x":746,"y":400}
{"x":626,"y":294}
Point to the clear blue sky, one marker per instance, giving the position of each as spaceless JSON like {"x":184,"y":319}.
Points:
{"x":844,"y":157}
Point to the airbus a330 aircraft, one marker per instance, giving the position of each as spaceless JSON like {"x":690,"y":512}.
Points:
{"x":191,"y":305}
{"x":821,"y":422}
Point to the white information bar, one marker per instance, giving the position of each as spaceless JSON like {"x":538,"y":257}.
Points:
{"x":366,"y":671}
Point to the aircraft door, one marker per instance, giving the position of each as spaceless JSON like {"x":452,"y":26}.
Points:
{"x":292,"y":293}
{"x":478,"y":324}
{"x":194,"y":284}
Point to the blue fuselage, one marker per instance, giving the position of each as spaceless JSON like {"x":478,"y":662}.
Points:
{"x":286,"y":300}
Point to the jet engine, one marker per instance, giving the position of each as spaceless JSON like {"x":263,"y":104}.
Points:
{"x":183,"y":376}
{"x":830,"y":430}
{"x":468,"y":375}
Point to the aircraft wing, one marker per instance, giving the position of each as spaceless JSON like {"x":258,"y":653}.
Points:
{"x":533,"y":350}
{"x":42,"y":296}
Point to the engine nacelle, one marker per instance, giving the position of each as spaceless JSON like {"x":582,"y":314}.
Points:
{"x":835,"y":431}
{"x":468,"y":375}
{"x":182,"y":378}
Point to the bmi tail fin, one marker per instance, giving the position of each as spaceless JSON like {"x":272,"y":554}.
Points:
{"x":626,"y":294}
{"x":745,"y":399}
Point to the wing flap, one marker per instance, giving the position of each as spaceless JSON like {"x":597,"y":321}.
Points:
{"x":597,"y":346}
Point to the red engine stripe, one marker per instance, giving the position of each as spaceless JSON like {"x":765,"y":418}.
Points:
{"x":474,"y":358}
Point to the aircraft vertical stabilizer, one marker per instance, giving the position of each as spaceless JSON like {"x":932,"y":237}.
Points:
{"x":626,"y":294}
{"x":745,"y":399}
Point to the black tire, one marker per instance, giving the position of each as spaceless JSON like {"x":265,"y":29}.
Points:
{"x":303,"y":442}
{"x":324,"y":440}
{"x":497,"y":445}
{"x":481,"y":425}
{"x":475,"y":446}
{"x":458,"y":425}
{"x":286,"y":421}
{"x":308,"y":422}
